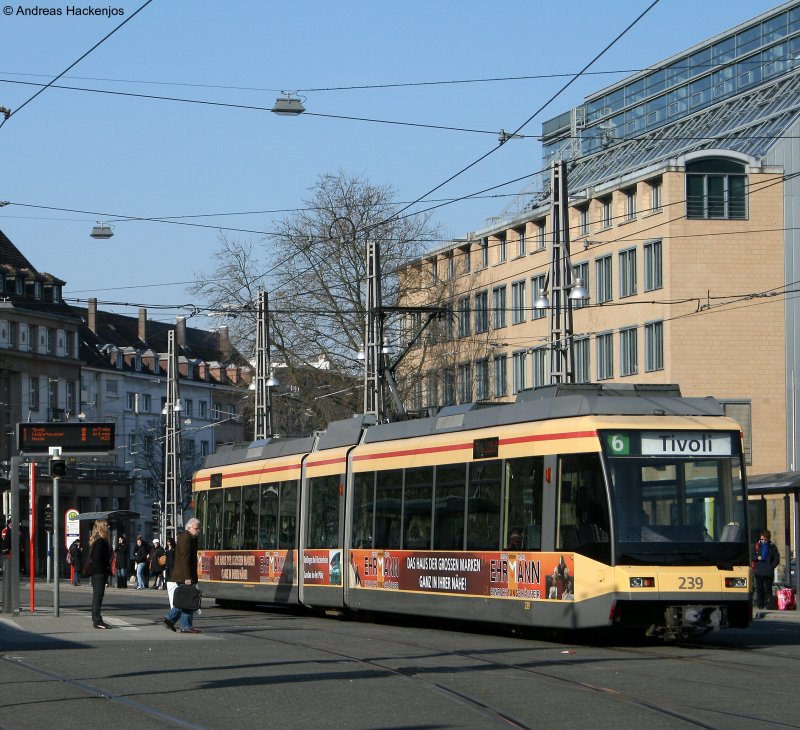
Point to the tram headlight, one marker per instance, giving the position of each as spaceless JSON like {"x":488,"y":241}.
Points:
{"x":638,"y":582}
{"x":739,"y":582}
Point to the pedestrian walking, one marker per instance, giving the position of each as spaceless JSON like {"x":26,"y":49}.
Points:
{"x":75,"y":560}
{"x":184,"y":571}
{"x":141,"y":556}
{"x":98,"y":568}
{"x":158,"y":562}
{"x":765,"y":559}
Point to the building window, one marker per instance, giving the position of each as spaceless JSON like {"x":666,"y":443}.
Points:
{"x":519,"y":367}
{"x":204,"y":448}
{"x":216,"y":411}
{"x":520,"y":232}
{"x":502,"y":248}
{"x":741,"y":412}
{"x":52,"y":395}
{"x":451,"y":266}
{"x":484,"y":253}
{"x":715,"y":188}
{"x":33,"y":393}
{"x":202,"y":404}
{"x":653,"y":278}
{"x":654,"y":346}
{"x":499,"y":307}
{"x":580,"y":352}
{"x":447,"y":322}
{"x":146,"y":403}
{"x":628,"y":351}
{"x":416,"y":396}
{"x":465,"y":383}
{"x":627,"y":272}
{"x":606,"y":216}
{"x":482,"y":380}
{"x":656,"y":186}
{"x":463,"y":317}
{"x":499,"y":376}
{"x":581,"y":271}
{"x":467,"y":258}
{"x":537,"y":287}
{"x":517,"y":302}
{"x":583,"y":220}
{"x":434,"y":271}
{"x":630,"y":204}
{"x":540,"y":239}
{"x":482,"y":312}
{"x":133,"y":402}
{"x":605,"y":356}
{"x":603,"y":277}
{"x":449,"y":383}
{"x":433,"y":388}
{"x":149,"y":443}
{"x":539,"y":362}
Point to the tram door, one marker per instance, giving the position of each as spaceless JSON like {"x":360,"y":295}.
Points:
{"x":322,"y":540}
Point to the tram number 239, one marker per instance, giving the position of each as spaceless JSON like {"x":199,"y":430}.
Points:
{"x":690,"y":583}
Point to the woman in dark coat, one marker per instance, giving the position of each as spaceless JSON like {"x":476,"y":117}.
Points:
{"x":765,"y":560}
{"x":99,"y":568}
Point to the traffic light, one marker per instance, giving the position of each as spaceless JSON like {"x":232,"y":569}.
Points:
{"x":156,"y":512}
{"x":48,"y":518}
{"x":58,"y":468}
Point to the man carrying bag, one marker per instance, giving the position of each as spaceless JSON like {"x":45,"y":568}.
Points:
{"x":184,"y":573}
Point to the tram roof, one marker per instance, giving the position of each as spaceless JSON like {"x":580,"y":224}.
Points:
{"x":550,"y":402}
{"x":554,"y":402}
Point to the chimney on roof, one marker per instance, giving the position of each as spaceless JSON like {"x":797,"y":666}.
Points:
{"x":180,"y":332}
{"x":142,"y":324}
{"x":224,"y":341}
{"x":92,"y":315}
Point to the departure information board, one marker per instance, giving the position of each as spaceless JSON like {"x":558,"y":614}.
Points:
{"x":73,"y":438}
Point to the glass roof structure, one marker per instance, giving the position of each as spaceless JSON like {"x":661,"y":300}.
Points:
{"x":739,"y":91}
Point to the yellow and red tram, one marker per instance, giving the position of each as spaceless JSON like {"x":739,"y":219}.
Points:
{"x":574,"y":507}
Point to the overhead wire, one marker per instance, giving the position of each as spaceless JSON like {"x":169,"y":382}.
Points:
{"x":75,"y":63}
{"x":554,"y":96}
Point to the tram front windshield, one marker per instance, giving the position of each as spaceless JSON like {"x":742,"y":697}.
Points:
{"x":677,"y":498}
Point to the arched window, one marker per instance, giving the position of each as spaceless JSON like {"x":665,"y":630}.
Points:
{"x":715,"y":188}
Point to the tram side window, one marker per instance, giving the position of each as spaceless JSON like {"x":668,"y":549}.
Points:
{"x":268,"y":518}
{"x":524,"y":484}
{"x":249,"y":518}
{"x":200,"y":512}
{"x":214,"y":521}
{"x":483,"y":505}
{"x":417,"y":508}
{"x":363,"y":508}
{"x":230,"y":519}
{"x":288,"y":515}
{"x":388,"y":501}
{"x":584,"y":525}
{"x":323,"y":511}
{"x":451,"y":485}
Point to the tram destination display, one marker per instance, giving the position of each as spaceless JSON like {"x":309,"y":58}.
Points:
{"x":81,"y":437}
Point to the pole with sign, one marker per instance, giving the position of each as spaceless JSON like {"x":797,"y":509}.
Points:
{"x":72,"y":531}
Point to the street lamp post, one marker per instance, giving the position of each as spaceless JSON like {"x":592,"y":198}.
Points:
{"x":173,"y":503}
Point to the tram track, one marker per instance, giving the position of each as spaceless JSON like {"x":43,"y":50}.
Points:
{"x":475,"y":703}
{"x":92,"y":690}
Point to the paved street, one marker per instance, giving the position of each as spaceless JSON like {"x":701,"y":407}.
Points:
{"x":278,"y":669}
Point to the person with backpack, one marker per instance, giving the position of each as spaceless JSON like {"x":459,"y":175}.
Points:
{"x":75,"y":560}
{"x":765,"y":559}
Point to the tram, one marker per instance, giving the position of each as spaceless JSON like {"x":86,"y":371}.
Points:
{"x":577,"y":506}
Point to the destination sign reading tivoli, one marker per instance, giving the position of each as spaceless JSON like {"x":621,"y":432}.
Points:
{"x":79,"y":437}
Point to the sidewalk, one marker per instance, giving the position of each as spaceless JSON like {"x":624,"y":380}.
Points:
{"x":132,"y":615}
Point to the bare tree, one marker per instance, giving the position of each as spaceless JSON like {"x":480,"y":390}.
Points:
{"x":313,"y":265}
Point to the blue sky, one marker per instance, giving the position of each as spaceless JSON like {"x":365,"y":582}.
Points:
{"x":115,"y":155}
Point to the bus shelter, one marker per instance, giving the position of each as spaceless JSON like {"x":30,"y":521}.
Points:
{"x":775,"y":505}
